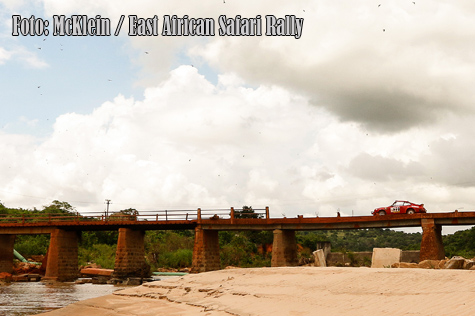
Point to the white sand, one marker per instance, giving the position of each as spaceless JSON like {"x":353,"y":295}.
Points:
{"x":293,"y":291}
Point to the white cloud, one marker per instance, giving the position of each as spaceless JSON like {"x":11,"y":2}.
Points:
{"x":28,"y":122}
{"x":12,"y":4}
{"x":4,"y":55}
{"x":389,"y":68}
{"x":30,"y":59}
{"x":187,"y":144}
{"x":24,"y":56}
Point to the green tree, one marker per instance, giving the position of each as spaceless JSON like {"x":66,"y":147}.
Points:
{"x":57,"y":207}
{"x":461,"y":243}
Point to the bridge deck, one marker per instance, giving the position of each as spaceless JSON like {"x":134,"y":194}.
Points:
{"x":45,"y":225}
{"x":353,"y":222}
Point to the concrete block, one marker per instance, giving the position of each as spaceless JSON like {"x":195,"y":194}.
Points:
{"x":319,"y":256}
{"x":326,"y":246}
{"x":385,"y":257}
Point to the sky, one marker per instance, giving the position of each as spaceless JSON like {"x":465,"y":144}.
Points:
{"x":373,"y":103}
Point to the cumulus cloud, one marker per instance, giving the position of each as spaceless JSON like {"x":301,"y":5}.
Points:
{"x":187,"y":144}
{"x":388,"y":67}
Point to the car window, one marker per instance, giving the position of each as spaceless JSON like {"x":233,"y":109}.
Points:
{"x":398,"y":203}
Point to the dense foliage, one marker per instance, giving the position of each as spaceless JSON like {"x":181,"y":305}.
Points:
{"x":174,"y":249}
{"x":361,"y":240}
{"x":461,"y":243}
{"x":245,"y":249}
{"x":169,"y":249}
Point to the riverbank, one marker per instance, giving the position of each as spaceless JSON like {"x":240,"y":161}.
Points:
{"x":292,"y":291}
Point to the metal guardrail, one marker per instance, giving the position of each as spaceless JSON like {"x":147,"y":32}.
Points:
{"x":162,"y":215}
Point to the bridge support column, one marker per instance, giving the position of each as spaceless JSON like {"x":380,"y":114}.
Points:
{"x":6,"y":253}
{"x":130,"y":254}
{"x":431,"y":244}
{"x":205,"y":251}
{"x":62,"y":261}
{"x":284,"y":249}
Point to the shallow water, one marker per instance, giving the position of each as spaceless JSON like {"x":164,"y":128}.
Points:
{"x":29,"y":298}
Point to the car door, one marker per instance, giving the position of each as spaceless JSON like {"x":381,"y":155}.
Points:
{"x":396,"y":207}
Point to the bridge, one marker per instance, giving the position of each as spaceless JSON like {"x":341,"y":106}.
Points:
{"x":64,"y":231}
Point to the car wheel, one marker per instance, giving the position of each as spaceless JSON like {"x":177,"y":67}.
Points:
{"x":410,"y":211}
{"x":382,"y":213}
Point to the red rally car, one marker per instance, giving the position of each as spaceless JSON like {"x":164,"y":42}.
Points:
{"x":400,"y":207}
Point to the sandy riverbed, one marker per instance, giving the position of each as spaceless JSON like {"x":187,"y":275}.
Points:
{"x":293,"y":291}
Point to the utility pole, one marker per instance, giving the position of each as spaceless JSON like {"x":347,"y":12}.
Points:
{"x":107,"y":209}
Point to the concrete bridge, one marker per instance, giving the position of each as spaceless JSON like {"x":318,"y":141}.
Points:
{"x":64,"y":231}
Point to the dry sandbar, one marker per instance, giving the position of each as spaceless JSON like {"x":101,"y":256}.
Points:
{"x":292,"y":291}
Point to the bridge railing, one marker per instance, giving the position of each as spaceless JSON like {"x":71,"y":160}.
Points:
{"x":161,"y":215}
{"x":43,"y":217}
{"x":166,"y":215}
{"x":233,"y":213}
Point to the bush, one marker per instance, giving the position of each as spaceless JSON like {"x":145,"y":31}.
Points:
{"x":180,"y":258}
{"x":169,"y":249}
{"x":237,"y":249}
{"x":28,"y":245}
{"x":101,"y":254}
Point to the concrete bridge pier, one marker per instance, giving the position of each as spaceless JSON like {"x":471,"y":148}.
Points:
{"x":62,"y":261}
{"x":6,"y":253}
{"x":205,"y":251}
{"x":431,"y":244}
{"x":284,"y":249}
{"x":130,"y":254}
